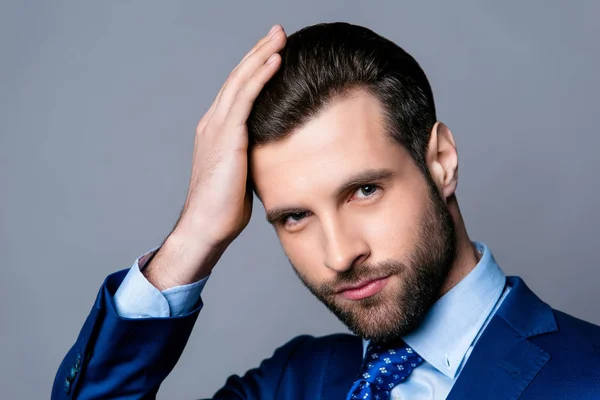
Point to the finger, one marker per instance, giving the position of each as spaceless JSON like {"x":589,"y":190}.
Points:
{"x":244,"y":99}
{"x":208,"y":115}
{"x":246,"y":70}
{"x":274,"y":29}
{"x":262,"y":41}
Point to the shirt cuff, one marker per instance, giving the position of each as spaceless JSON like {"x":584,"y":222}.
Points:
{"x":136,"y":297}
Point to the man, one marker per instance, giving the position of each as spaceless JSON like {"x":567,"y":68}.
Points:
{"x":335,"y":130}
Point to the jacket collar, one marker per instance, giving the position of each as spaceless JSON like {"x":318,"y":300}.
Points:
{"x":504,"y":361}
{"x":526,"y":312}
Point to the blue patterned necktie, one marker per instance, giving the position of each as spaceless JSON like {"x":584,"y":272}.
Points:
{"x":383,"y":368}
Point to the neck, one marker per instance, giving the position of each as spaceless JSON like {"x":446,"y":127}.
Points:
{"x":467,"y":255}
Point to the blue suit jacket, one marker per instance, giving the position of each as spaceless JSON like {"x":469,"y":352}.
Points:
{"x":528,"y":351}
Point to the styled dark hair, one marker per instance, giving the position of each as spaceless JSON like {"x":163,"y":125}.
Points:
{"x":328,"y":60}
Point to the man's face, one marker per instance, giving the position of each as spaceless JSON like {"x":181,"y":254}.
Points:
{"x":375,"y":252}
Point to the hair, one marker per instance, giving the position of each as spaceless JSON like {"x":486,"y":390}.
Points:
{"x":329,"y":60}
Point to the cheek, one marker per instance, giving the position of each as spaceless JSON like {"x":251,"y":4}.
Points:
{"x":303,"y":252}
{"x":395,"y":225}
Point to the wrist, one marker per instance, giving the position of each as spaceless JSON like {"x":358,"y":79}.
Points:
{"x":181,"y":260}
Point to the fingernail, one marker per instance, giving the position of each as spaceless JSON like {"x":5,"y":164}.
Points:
{"x":273,"y":29}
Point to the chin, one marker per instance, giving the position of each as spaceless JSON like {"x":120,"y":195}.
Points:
{"x":381,"y":317}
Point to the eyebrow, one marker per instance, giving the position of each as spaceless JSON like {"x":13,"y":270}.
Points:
{"x":365,"y":177}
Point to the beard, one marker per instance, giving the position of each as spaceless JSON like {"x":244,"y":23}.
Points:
{"x":386,"y":317}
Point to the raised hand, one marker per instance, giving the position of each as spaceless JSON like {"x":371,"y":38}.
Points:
{"x":219,"y":201}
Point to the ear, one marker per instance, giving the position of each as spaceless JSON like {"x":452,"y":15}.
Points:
{"x":442,"y":159}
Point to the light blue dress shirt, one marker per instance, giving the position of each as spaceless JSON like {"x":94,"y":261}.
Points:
{"x":444,"y":339}
{"x":138,"y":298}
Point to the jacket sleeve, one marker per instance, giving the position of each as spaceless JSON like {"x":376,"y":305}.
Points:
{"x":268,"y":379}
{"x":121,"y":358}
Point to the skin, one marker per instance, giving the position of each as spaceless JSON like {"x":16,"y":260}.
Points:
{"x":395,"y":227}
{"x":218,"y":205}
{"x":369,"y":231}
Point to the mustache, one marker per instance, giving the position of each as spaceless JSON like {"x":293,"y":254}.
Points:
{"x":360,"y":274}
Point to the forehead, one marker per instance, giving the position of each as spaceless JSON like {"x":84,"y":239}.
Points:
{"x":344,"y":139}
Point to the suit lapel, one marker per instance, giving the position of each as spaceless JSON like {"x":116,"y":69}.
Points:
{"x":343,"y":367}
{"x":504,"y":361}
{"x":502,"y":365}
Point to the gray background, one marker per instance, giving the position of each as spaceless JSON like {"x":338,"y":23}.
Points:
{"x":99,"y":103}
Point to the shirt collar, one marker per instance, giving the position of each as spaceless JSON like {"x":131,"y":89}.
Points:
{"x":453,"y":322}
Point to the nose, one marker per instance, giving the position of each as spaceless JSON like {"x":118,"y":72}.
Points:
{"x":344,"y":247}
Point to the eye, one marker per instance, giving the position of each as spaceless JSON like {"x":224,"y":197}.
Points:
{"x":297,"y":216}
{"x":294,"y":218}
{"x":368,"y":190}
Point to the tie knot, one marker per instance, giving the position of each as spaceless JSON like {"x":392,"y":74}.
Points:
{"x":385,"y":367}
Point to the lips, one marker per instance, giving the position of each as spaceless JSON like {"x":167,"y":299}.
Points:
{"x":363,"y":289}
